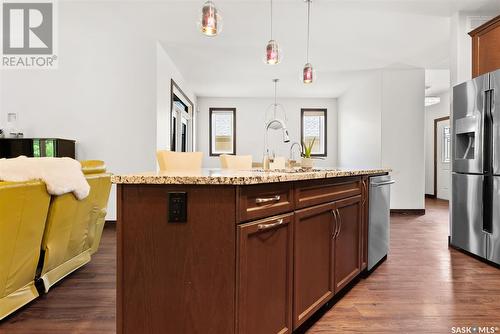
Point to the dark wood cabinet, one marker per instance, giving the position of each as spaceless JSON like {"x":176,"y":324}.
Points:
{"x":347,"y":241}
{"x":176,"y":277}
{"x":250,"y":259}
{"x":313,"y":260}
{"x":37,"y":147}
{"x":264,"y":276}
{"x":314,"y":192}
{"x":486,"y":47}
{"x":265,"y":200}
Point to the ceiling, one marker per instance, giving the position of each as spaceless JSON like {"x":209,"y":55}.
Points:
{"x":348,"y":38}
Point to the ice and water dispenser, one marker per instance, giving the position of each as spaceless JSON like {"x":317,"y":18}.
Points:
{"x":465,"y":137}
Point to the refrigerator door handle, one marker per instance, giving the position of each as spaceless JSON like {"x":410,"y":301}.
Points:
{"x":489,"y":104}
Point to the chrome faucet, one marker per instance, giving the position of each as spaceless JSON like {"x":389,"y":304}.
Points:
{"x":275,"y":124}
{"x":278,"y":124}
{"x":291,"y":150}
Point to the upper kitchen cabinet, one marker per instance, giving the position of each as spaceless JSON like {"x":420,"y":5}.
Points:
{"x":486,"y":47}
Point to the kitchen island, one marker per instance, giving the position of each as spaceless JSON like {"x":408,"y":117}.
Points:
{"x":221,"y":251}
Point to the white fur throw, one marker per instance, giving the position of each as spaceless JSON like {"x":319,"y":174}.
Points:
{"x":61,"y":175}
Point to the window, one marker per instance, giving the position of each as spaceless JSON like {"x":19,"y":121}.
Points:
{"x":222,"y":131}
{"x":445,"y":152}
{"x":313,"y":127}
{"x":181,"y":122}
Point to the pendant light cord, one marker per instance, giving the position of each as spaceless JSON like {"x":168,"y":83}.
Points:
{"x":271,"y":19}
{"x":275,"y":94}
{"x":308,"y":24}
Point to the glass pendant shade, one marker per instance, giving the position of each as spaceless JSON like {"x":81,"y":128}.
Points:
{"x":308,"y":74}
{"x":275,"y":111}
{"x":273,"y":53}
{"x":210,"y":20}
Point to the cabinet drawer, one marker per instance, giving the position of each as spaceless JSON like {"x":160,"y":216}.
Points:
{"x":315,"y":192}
{"x":264,"y":200}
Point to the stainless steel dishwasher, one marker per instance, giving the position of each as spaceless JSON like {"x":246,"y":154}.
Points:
{"x":379,"y":218}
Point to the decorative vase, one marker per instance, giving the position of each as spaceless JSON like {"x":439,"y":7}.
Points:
{"x":306,"y":163}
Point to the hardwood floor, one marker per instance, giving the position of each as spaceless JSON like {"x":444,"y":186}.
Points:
{"x":83,"y":302}
{"x":423,"y":287}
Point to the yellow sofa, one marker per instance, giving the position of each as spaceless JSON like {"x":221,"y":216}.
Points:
{"x":23,"y":211}
{"x":73,"y":229}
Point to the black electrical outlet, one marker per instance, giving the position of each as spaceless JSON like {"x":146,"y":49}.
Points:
{"x":177,"y":207}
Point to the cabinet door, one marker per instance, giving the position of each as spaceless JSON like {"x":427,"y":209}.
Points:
{"x":265,"y":269}
{"x":313,"y":260}
{"x":486,"y":47}
{"x":348,"y":241}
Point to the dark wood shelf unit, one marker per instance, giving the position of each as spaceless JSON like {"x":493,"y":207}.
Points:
{"x":14,"y":147}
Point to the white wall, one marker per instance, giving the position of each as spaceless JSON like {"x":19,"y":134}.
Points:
{"x":403,"y":135}
{"x":104,"y":93}
{"x":382,"y":118}
{"x":250,"y":121}
{"x":431,"y":113}
{"x":359,"y":124}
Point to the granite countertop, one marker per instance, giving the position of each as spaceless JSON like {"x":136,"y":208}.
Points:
{"x":240,"y":177}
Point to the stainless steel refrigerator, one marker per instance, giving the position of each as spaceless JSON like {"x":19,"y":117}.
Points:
{"x":475,"y":184}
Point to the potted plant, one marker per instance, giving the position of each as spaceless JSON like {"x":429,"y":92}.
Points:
{"x":307,"y":161}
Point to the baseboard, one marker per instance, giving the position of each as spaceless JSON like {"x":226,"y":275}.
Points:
{"x":408,"y":212}
{"x":110,"y":222}
{"x":430,"y":196}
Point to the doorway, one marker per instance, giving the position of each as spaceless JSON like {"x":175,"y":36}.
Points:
{"x":442,"y":158}
{"x":181,"y":120}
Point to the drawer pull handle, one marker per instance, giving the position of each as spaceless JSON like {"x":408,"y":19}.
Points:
{"x":336,"y":224}
{"x":268,"y":199}
{"x":268,"y":226}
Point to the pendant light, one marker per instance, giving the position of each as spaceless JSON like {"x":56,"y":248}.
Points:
{"x":308,"y":73}
{"x":211,"y":21}
{"x":273,"y":52}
